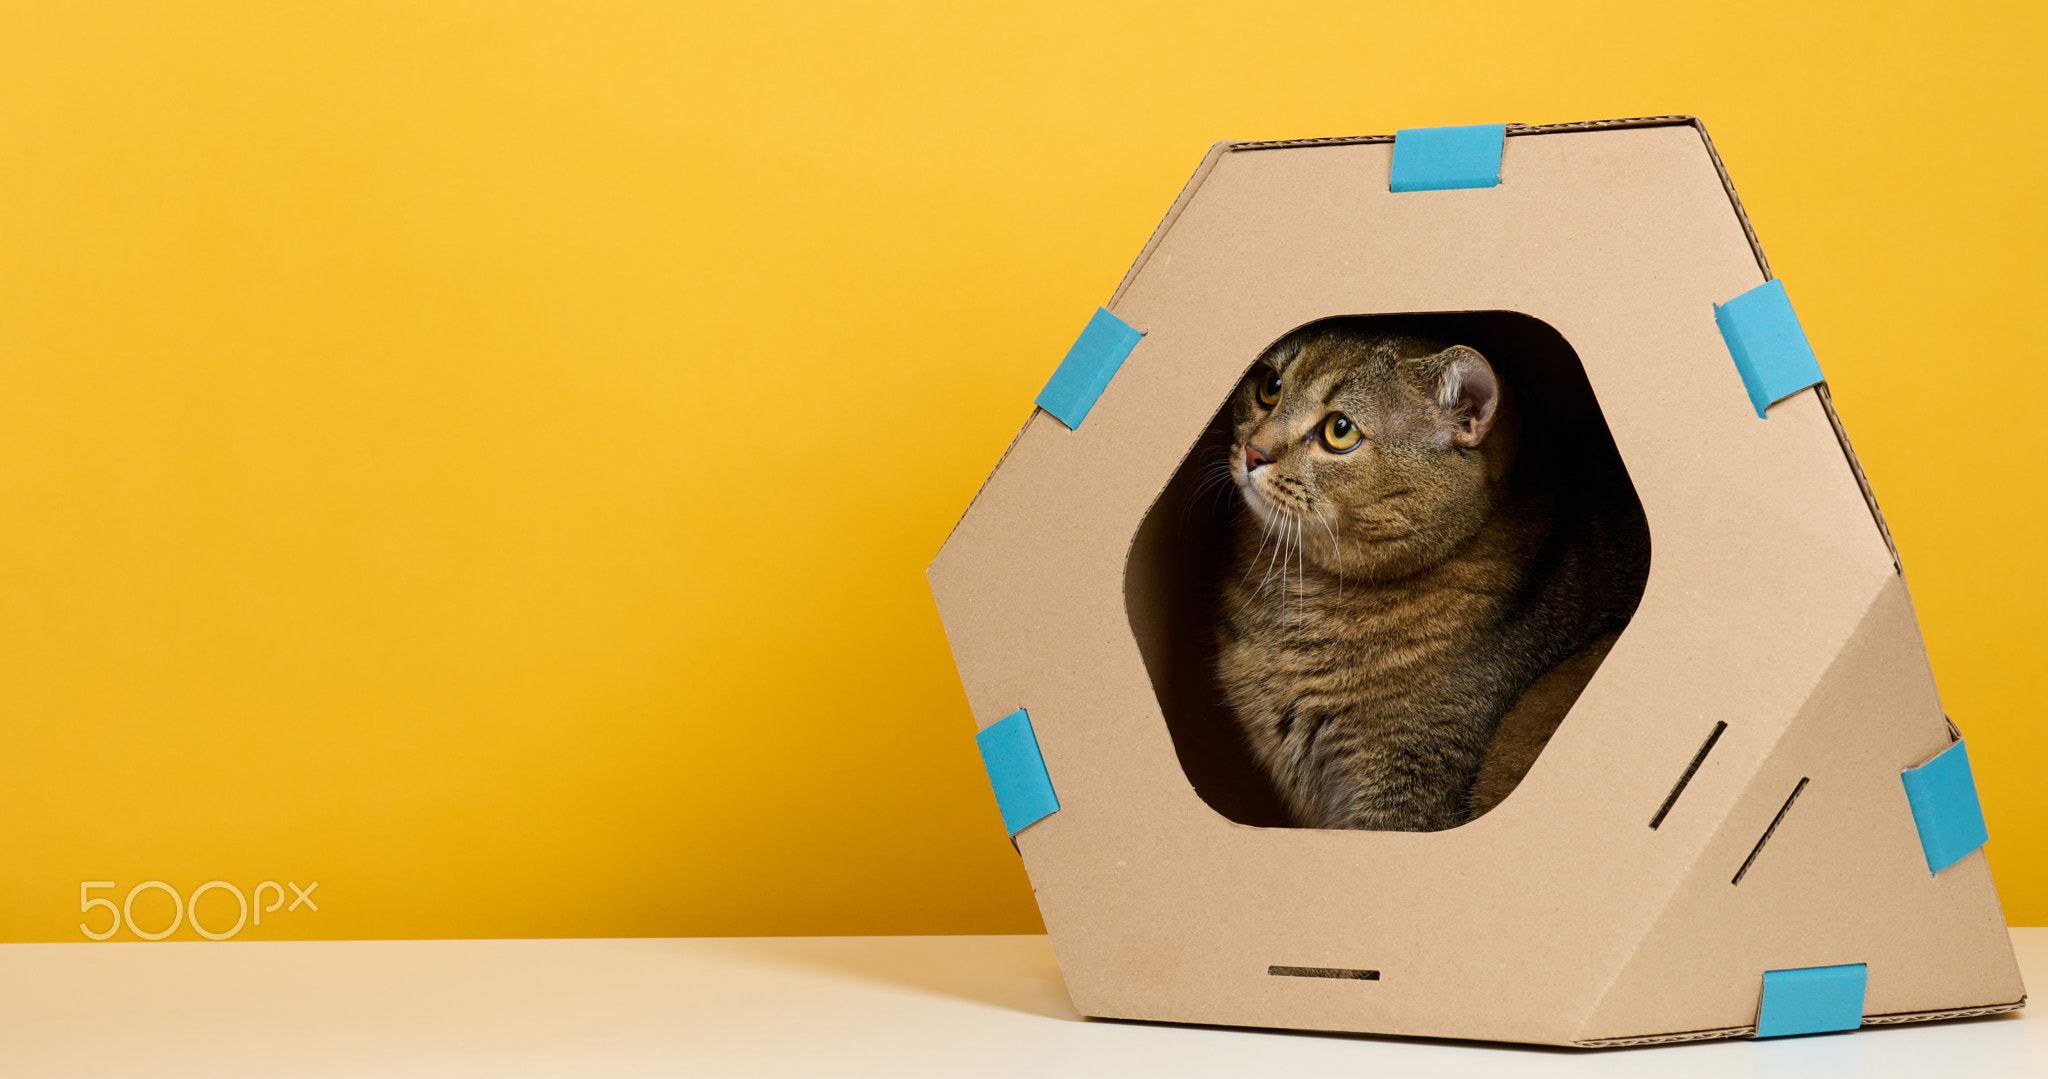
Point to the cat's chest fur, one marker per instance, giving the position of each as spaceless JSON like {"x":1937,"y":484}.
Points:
{"x":1369,"y":636}
{"x":1334,"y":681}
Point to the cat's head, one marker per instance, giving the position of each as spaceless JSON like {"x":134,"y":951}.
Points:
{"x":1379,"y":455}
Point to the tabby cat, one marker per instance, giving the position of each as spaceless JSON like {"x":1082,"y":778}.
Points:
{"x":1418,"y":587}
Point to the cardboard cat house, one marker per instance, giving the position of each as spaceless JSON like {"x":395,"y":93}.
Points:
{"x":1755,"y":820}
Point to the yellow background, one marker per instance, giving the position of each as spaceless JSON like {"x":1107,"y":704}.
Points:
{"x":484,"y":459}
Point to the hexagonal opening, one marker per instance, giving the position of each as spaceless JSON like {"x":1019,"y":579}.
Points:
{"x":1172,"y":574}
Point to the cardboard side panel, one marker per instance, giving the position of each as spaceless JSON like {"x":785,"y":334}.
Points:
{"x":1841,"y":879}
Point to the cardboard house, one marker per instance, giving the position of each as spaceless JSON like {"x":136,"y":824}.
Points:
{"x":1756,"y":819}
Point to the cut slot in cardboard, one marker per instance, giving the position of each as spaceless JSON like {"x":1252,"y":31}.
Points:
{"x":1723,"y":800}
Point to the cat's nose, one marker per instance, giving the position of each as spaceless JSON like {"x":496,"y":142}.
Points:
{"x":1253,"y":459}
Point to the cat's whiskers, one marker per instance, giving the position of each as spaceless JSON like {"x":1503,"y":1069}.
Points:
{"x":1279,"y":540}
{"x":1336,"y":552}
{"x":1265,"y":533}
{"x":1215,"y":479}
{"x":1301,"y":570}
{"x":1299,"y":582}
{"x":1280,"y":553}
{"x":1286,"y":561}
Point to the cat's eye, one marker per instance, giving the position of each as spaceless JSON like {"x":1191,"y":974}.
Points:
{"x":1340,"y":435}
{"x":1267,"y":384}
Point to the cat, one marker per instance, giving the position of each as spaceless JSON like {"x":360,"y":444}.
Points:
{"x":1418,"y":586}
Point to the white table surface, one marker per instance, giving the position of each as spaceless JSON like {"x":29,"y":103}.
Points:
{"x":801,"y":1006}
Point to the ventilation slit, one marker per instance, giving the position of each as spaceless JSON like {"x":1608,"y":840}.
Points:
{"x":1766,"y":837}
{"x":1324,"y":972}
{"x":1679,"y":788}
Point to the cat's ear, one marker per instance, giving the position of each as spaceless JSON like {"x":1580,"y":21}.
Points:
{"x":1468,"y":392}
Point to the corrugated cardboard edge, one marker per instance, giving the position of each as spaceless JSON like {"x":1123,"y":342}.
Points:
{"x":1954,"y":1013}
{"x":1187,"y":192}
{"x":1827,"y":405}
{"x":969,"y":508}
{"x":1667,"y":1039}
{"x":1746,"y":1031}
{"x":1513,"y":129}
{"x":1827,"y":400}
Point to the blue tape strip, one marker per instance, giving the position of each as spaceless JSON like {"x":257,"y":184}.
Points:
{"x":1812,"y":1000}
{"x":1089,"y":366}
{"x":1944,"y":799}
{"x":1009,"y":750}
{"x":1769,"y":347}
{"x":1443,"y":158}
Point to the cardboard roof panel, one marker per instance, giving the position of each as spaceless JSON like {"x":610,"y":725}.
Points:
{"x":1773,"y":605}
